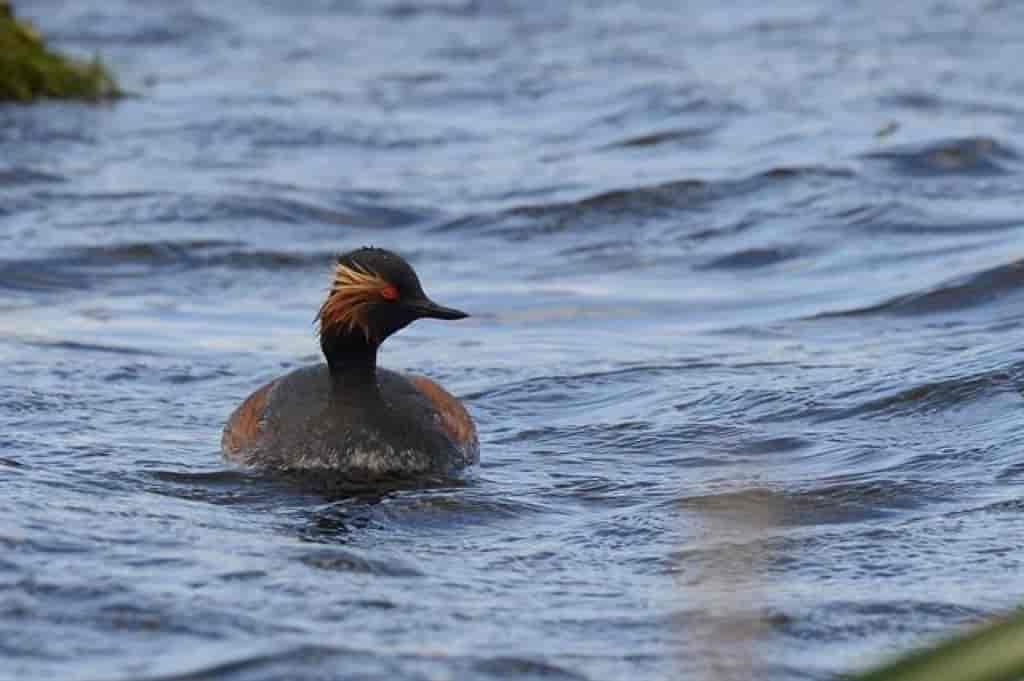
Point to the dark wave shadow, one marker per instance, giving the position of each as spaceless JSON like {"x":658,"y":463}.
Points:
{"x":636,"y":205}
{"x":963,"y":156}
{"x":966,"y":292}
{"x":90,"y":268}
{"x":20,"y":175}
{"x":696,"y":136}
{"x":934,"y":396}
{"x":74,"y":346}
{"x":320,"y":661}
{"x":752,"y":258}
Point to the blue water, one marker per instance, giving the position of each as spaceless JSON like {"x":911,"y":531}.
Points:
{"x":746,"y":360}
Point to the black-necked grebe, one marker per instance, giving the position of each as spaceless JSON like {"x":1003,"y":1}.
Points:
{"x":348,"y":416}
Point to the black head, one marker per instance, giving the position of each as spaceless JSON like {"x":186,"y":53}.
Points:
{"x":374,"y":293}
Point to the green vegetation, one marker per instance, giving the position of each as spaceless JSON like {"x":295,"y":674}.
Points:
{"x":29,"y":70}
{"x":994,"y":652}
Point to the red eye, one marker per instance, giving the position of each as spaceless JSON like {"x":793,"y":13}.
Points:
{"x":389,"y":293}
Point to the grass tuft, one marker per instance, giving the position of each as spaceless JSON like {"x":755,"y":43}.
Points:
{"x":29,"y":70}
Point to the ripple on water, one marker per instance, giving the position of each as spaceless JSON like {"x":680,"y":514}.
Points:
{"x":750,"y":258}
{"x":337,"y":560}
{"x":966,"y":292}
{"x":308,"y":210}
{"x":20,"y":175}
{"x":963,"y":156}
{"x":950,"y":394}
{"x":907,"y":217}
{"x":695,"y":137}
{"x":826,"y":504}
{"x":318,"y":661}
{"x":682,"y":204}
{"x":856,"y":621}
{"x":524,"y":668}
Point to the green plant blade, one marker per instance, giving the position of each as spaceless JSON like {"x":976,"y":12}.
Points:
{"x":994,"y":652}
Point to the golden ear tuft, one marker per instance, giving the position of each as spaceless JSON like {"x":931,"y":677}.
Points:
{"x":353,"y":289}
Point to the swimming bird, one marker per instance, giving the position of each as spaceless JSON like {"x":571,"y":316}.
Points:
{"x":349,"y":416}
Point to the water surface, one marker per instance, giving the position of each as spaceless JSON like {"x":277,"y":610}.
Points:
{"x":747,"y":289}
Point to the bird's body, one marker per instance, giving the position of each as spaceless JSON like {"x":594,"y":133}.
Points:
{"x":398,"y":426}
{"x":348,"y":416}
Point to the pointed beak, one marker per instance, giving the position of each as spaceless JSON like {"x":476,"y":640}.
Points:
{"x":428,"y":308}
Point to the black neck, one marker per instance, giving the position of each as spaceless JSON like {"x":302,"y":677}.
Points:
{"x":350,"y":356}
